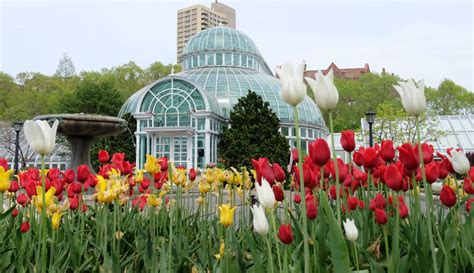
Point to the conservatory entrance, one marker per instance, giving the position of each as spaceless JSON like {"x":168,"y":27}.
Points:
{"x":175,"y":148}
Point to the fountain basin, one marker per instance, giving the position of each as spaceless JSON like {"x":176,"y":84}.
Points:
{"x":81,"y":130}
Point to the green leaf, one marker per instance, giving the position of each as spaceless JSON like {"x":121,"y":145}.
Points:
{"x":337,"y":245}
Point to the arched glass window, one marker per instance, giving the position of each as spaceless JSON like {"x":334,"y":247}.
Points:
{"x":171,"y":102}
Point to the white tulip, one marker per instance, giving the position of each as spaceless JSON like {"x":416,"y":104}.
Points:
{"x":324,"y":90}
{"x":459,"y":161}
{"x":437,"y":186}
{"x":260,"y":222}
{"x":265,"y":194}
{"x":40,"y":136}
{"x":293,"y":89}
{"x":413,"y":98}
{"x":351,"y":230}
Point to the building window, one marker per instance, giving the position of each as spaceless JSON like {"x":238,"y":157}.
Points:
{"x":218,"y":58}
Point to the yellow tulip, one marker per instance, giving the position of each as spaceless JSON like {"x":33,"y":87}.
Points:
{"x":153,"y":201}
{"x":226,"y":215}
{"x":49,"y":197}
{"x":151,"y":165}
{"x":5,"y":179}
{"x":56,"y":220}
{"x":139,"y":176}
{"x":203,"y":187}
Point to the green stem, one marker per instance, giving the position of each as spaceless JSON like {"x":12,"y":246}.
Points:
{"x":429,"y":198}
{"x":302,"y":192}
{"x":170,"y":239}
{"x":336,"y":168}
{"x":385,"y":236}
{"x":272,"y":216}
{"x":356,"y":257}
{"x":43,"y":217}
{"x":270,"y":256}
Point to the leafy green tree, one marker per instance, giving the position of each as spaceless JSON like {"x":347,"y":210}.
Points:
{"x":93,"y":95}
{"x":450,"y":99}
{"x":253,"y":134}
{"x":124,"y":143}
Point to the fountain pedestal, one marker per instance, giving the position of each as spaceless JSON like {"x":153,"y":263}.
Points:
{"x":81,"y":130}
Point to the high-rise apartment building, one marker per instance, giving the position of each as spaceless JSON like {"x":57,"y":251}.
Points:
{"x":194,"y":19}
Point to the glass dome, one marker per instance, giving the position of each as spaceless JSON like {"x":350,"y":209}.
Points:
{"x":181,"y":116}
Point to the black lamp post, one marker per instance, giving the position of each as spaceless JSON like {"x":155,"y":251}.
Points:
{"x":17,"y":125}
{"x":370,"y":117}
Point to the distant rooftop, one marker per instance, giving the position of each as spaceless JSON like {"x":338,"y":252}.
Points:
{"x":343,"y":73}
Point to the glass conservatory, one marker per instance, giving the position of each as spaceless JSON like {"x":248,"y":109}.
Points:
{"x":181,"y":116}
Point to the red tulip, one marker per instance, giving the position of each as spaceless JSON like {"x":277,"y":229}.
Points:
{"x":118,"y":157}
{"x":25,"y":227}
{"x":278,"y":172}
{"x":145,"y":183}
{"x":76,"y":187}
{"x":393,"y":178}
{"x":361,"y":204}
{"x":22,"y":199}
{"x":469,"y":204}
{"x":432,"y":172}
{"x":387,"y":151}
{"x":311,"y":209}
{"x":447,"y":196}
{"x":352,"y":202}
{"x":73,"y":203}
{"x":446,"y":163}
{"x":378,"y":202}
{"x":319,"y":151}
{"x":285,"y":234}
{"x":342,"y":169}
{"x":83,"y":173}
{"x":53,"y":173}
{"x":467,"y":186}
{"x":263,"y":169}
{"x":427,"y":151}
{"x":348,"y":141}
{"x":192,"y":174}
{"x":408,"y":157}
{"x":92,"y":181}
{"x":163,"y":163}
{"x":4,"y":163}
{"x":30,"y":189}
{"x":68,"y":176}
{"x":103,"y":156}
{"x":14,"y":187}
{"x":371,"y":158}
{"x":380,"y":216}
{"x":58,"y":185}
{"x":358,"y":157}
{"x":14,"y":212}
{"x":297,"y":198}
{"x":403,"y":210}
{"x":279,"y":195}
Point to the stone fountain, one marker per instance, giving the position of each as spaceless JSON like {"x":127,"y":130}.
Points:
{"x":81,"y":130}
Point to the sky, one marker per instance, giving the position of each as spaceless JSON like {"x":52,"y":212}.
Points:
{"x":423,"y":40}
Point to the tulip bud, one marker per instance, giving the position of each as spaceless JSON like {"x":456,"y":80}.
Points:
{"x":25,"y":227}
{"x":297,"y":198}
{"x":40,"y":136}
{"x":279,"y":196}
{"x":348,"y":141}
{"x":285,"y":234}
{"x":278,"y":172}
{"x":226,"y":214}
{"x":311,"y":209}
{"x":380,"y":216}
{"x":447,"y":196}
{"x":73,"y":203}
{"x":293,"y":89}
{"x":192,"y":174}
{"x":22,"y":199}
{"x":103,"y":156}
{"x":459,"y":162}
{"x":260,"y":223}
{"x":351,"y":230}
{"x":469,"y":204}
{"x":413,"y":98}
{"x":324,"y":90}
{"x":319,"y":151}
{"x":265,"y":194}
{"x":14,"y":187}
{"x":14,"y":212}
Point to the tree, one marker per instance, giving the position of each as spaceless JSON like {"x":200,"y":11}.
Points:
{"x":253,"y":134}
{"x":94,"y":95}
{"x":450,"y":99}
{"x":124,"y":142}
{"x":65,"y":68}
